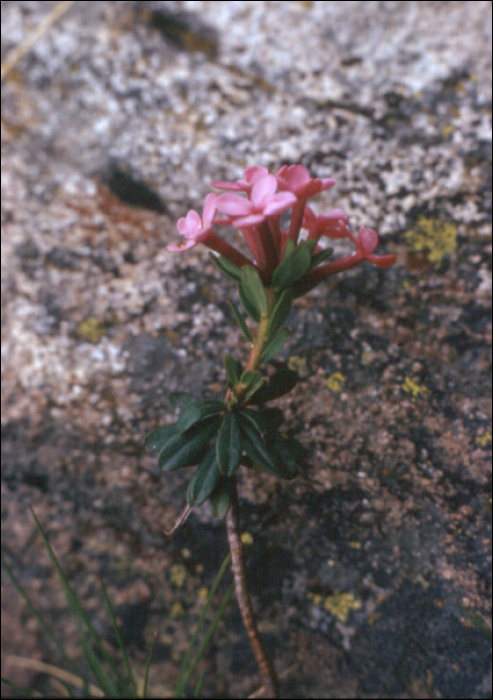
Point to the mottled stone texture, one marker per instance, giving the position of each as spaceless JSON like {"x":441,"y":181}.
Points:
{"x":371,"y":573}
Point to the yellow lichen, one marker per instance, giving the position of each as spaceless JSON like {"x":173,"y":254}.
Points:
{"x":341,"y":604}
{"x":485,"y":439}
{"x":316,"y":598}
{"x":409,"y":386}
{"x":433,"y":237}
{"x":298,"y":364}
{"x":202,"y":593}
{"x":177,"y":610}
{"x":178,"y":574}
{"x":448,"y":130}
{"x":335,"y":381}
{"x":91,"y":330}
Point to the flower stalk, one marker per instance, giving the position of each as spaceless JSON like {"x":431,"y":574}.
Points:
{"x":266,"y":668}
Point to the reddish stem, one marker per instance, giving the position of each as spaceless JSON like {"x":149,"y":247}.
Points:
{"x":268,"y":244}
{"x":297,"y":219}
{"x":223,"y":248}
{"x":332,"y":268}
{"x":266,"y":668}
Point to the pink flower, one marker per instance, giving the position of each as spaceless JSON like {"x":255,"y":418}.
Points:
{"x":333,"y":224}
{"x":262,"y":203}
{"x":193,"y":228}
{"x":365,"y":245}
{"x":296,"y":179}
{"x":199,"y":230}
{"x":250,"y":175}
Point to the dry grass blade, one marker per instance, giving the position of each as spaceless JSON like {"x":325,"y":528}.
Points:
{"x":54,"y":672}
{"x":21,"y":49}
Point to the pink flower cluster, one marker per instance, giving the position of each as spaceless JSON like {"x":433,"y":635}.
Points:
{"x":258,"y":216}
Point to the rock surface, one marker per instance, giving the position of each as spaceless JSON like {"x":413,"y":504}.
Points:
{"x":371,"y":573}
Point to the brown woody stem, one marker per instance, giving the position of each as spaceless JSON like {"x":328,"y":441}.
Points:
{"x":267,"y":671}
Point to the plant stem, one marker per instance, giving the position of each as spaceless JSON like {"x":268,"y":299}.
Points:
{"x":266,"y":667}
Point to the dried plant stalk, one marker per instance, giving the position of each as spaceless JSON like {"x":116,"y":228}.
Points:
{"x":265,"y":665}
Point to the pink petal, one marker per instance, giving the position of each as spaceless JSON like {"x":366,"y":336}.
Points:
{"x":297,"y":176}
{"x":335,"y":215}
{"x":233,"y":204}
{"x":327,"y":183}
{"x":262,"y":190}
{"x":181,"y":246}
{"x":279,"y":203}
{"x":210,"y":205}
{"x":225,"y":185}
{"x":382,"y":261}
{"x":254,"y":173}
{"x":368,"y":240}
{"x":247,"y":221}
{"x":188,"y":225}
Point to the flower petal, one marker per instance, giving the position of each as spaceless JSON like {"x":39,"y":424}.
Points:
{"x":210,"y":206}
{"x":225,"y":185}
{"x":254,"y":173}
{"x":382,"y":261}
{"x":279,"y":202}
{"x":181,"y":246}
{"x":187,"y":226}
{"x":262,"y":190}
{"x":248,"y":221}
{"x":233,"y":205}
{"x":368,"y":239}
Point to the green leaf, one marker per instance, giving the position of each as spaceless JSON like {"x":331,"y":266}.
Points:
{"x":233,"y":369}
{"x":253,"y":443}
{"x":252,"y":293}
{"x":228,"y":268}
{"x":240,"y":321}
{"x":228,"y":445}
{"x":274,"y":344}
{"x":253,"y":381}
{"x":280,"y":313}
{"x":292,"y":268}
{"x":196,"y":413}
{"x":158,"y":437}
{"x":287,"y":455}
{"x":178,"y":400}
{"x":184,"y":450}
{"x":254,"y":418}
{"x":221,"y":499}
{"x":311,"y":244}
{"x":269,"y":419}
{"x":205,"y":480}
{"x":278,"y":384}
{"x":289,"y":248}
{"x":321,"y":257}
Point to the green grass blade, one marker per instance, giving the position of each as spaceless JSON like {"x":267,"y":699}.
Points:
{"x":200,"y":682}
{"x":210,"y":632}
{"x":32,"y":609}
{"x":119,"y":639}
{"x":148,"y":665}
{"x":80,"y":616}
{"x":180,"y":686}
{"x":101,"y":676}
